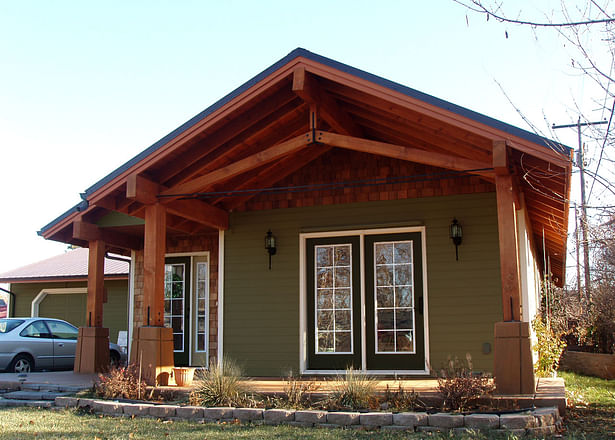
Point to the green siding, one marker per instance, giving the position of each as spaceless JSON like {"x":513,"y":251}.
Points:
{"x":71,"y":307}
{"x":261,"y":306}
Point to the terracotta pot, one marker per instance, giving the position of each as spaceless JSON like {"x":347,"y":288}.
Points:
{"x":183,"y":376}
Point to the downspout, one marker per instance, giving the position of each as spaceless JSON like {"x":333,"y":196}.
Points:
{"x":12,"y":304}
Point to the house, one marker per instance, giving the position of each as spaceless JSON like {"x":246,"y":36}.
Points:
{"x":355,"y":184}
{"x":57,"y":288}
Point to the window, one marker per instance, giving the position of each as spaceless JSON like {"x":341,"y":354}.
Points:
{"x":174,"y":296}
{"x":201,"y":312}
{"x":37,"y":329}
{"x":333,"y":298}
{"x":394,"y":297}
{"x":62,"y":330}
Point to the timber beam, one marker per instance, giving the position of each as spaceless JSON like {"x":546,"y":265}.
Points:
{"x":90,"y":232}
{"x":146,"y":192}
{"x":241,"y":166}
{"x":405,"y":153}
{"x":308,"y":88}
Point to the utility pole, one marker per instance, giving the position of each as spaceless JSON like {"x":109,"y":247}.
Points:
{"x":581,"y":165}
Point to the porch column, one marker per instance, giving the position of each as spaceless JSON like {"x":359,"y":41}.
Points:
{"x":513,"y":367}
{"x":152,"y":345}
{"x":92,"y":353}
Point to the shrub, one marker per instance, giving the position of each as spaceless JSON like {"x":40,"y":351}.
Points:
{"x":402,"y":400}
{"x":120,"y":382}
{"x":460,"y":387}
{"x":298,"y":392}
{"x":354,"y":390}
{"x":219,"y":386}
{"x":549,"y":348}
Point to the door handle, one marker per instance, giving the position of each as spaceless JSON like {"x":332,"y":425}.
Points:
{"x":61,"y":344}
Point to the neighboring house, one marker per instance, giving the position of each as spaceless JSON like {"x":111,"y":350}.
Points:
{"x":57,"y":288}
{"x":360,"y":181}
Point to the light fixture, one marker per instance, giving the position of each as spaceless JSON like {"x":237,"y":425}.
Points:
{"x":270,"y":245}
{"x":456,"y":234}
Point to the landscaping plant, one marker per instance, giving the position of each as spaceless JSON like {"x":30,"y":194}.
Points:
{"x":549,"y":347}
{"x":354,"y":390}
{"x":120,"y":382}
{"x":401,"y":400}
{"x":460,"y":386}
{"x":219,"y":386}
{"x":298,"y":392}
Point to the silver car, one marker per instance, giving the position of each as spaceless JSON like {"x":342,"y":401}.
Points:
{"x":43,"y":344}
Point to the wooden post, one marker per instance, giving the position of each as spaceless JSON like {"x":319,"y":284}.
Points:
{"x":507,"y":231}
{"x":153,"y":265}
{"x":92,"y":352}
{"x":513,"y":369}
{"x":96,"y":284}
{"x":152,"y":344}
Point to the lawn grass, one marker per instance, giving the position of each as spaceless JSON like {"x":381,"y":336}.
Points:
{"x":591,"y":411}
{"x":33,"y":423}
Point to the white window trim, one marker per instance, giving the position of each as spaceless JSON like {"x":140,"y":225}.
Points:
{"x":206,"y":298}
{"x":333,"y":289}
{"x":303,"y":299}
{"x":191,"y":255}
{"x":38,"y":299}
{"x":413,"y":329}
{"x":220,"y":298}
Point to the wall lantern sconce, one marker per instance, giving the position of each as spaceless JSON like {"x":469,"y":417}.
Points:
{"x":456,"y":234}
{"x":270,"y":245}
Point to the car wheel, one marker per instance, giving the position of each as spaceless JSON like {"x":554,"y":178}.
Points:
{"x":22,"y":363}
{"x":114,"y":358}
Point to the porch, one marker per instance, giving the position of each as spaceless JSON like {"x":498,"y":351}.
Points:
{"x":360,"y":179}
{"x":549,"y":391}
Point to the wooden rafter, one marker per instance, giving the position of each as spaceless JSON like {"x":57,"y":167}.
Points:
{"x":147,"y":192}
{"x":276,"y":172}
{"x":404,"y":153}
{"x":307,"y":87}
{"x":90,"y":232}
{"x":241,"y":166}
{"x":222,"y":141}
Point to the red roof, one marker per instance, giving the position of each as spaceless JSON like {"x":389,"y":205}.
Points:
{"x":71,"y":264}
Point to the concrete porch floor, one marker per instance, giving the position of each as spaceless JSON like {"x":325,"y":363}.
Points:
{"x":549,"y":391}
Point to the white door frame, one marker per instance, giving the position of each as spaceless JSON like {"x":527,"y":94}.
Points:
{"x":303,"y":298}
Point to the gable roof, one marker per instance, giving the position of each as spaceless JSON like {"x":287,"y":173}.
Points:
{"x":259,"y":131}
{"x":300,"y":52}
{"x":72,"y":265}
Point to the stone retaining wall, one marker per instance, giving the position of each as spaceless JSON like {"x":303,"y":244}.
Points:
{"x":591,"y":364}
{"x":537,"y":422}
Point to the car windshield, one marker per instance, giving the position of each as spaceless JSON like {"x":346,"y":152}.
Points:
{"x":6,"y":325}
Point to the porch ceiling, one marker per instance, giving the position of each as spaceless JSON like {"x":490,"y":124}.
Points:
{"x":275,"y":125}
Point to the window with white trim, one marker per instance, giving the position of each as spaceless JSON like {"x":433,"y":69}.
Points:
{"x":333,"y":297}
{"x":201,"y":311}
{"x":393,"y":296}
{"x":174,"y":297}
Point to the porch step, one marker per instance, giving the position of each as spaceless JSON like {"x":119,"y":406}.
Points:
{"x":33,"y":395}
{"x":45,"y":387}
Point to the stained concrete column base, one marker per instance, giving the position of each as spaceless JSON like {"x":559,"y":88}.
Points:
{"x":152,"y":349}
{"x":513,"y":365}
{"x":92,"y":353}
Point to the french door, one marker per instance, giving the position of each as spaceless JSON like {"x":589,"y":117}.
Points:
{"x":364,"y":302}
{"x":176,"y":305}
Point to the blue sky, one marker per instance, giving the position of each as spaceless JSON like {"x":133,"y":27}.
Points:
{"x":85,"y":86}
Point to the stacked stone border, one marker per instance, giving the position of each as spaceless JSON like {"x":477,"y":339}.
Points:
{"x":535,"y":422}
